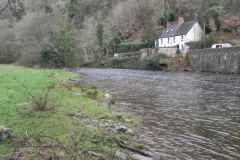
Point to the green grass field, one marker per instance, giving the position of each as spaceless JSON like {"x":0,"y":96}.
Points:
{"x":53,"y":127}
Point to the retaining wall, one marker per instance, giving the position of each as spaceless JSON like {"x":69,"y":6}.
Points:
{"x":169,"y":51}
{"x":223,"y":60}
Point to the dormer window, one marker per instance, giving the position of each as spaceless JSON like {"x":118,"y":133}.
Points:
{"x":171,"y":29}
{"x":167,"y":30}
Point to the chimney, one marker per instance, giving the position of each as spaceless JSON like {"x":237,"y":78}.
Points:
{"x":196,"y":17}
{"x":180,"y":20}
{"x":168,"y":24}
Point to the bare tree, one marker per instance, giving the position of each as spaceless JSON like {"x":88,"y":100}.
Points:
{"x":7,"y":4}
{"x":128,"y":16}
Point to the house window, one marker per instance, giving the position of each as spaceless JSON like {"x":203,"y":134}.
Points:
{"x":161,"y":41}
{"x":168,"y":40}
{"x":182,"y":37}
{"x":174,"y":39}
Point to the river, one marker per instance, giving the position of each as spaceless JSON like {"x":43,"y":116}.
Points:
{"x":188,"y":115}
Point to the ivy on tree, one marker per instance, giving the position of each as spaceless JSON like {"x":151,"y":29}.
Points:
{"x":212,"y":16}
{"x":100,"y":36}
{"x":167,"y":15}
{"x":19,"y":11}
{"x":149,"y":33}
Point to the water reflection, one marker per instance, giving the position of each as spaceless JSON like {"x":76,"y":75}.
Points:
{"x":189,"y":115}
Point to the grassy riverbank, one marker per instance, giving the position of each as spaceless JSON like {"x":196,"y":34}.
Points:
{"x":71,"y":123}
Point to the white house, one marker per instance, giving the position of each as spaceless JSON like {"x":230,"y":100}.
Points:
{"x":177,"y":35}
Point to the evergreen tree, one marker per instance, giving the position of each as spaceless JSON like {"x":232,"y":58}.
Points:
{"x":100,"y":37}
{"x":149,"y":33}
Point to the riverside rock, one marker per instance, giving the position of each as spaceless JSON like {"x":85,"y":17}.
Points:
{"x":127,"y":120}
{"x":108,"y":98}
{"x":121,"y":155}
{"x":121,"y":128}
{"x":129,"y":131}
{"x":95,"y":154}
{"x":4,"y":133}
{"x":139,"y":157}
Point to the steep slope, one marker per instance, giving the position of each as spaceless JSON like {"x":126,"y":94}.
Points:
{"x":30,"y":31}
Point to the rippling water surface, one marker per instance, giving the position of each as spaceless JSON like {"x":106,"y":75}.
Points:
{"x":188,"y":115}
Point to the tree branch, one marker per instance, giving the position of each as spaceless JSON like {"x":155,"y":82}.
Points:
{"x":1,"y":11}
{"x":120,"y":30}
{"x":5,"y":7}
{"x":134,"y":149}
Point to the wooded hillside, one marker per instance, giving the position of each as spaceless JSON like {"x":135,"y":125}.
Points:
{"x":68,"y":33}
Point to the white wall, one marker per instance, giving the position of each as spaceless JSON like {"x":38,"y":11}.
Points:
{"x":167,"y":43}
{"x":195,"y":33}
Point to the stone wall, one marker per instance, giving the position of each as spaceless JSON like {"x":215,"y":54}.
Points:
{"x":169,"y":51}
{"x":223,"y":60}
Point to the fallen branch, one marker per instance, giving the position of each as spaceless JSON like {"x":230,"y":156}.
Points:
{"x":52,"y":138}
{"x":134,"y":149}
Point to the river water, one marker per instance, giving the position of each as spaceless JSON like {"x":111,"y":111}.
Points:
{"x":185,"y":114}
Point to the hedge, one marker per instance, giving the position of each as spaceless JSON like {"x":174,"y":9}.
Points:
{"x":201,"y":44}
{"x":130,"y":47}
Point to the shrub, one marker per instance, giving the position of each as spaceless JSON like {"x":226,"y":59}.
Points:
{"x":153,"y":61}
{"x":53,"y":55}
{"x":132,"y":47}
{"x":184,"y":55}
{"x":9,"y":51}
{"x":196,"y":45}
{"x":40,"y":101}
{"x":156,"y":50}
{"x":30,"y":54}
{"x":178,"y":51}
{"x":92,"y":93}
{"x":201,"y":44}
{"x":50,"y":57}
{"x":117,"y":39}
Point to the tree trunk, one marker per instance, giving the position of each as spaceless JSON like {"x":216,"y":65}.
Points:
{"x":17,"y":5}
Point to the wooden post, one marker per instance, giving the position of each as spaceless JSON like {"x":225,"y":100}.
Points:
{"x":204,"y":30}
{"x":204,"y":25}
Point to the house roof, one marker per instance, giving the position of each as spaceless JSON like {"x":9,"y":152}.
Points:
{"x":184,"y":28}
{"x":176,"y":30}
{"x":169,"y":31}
